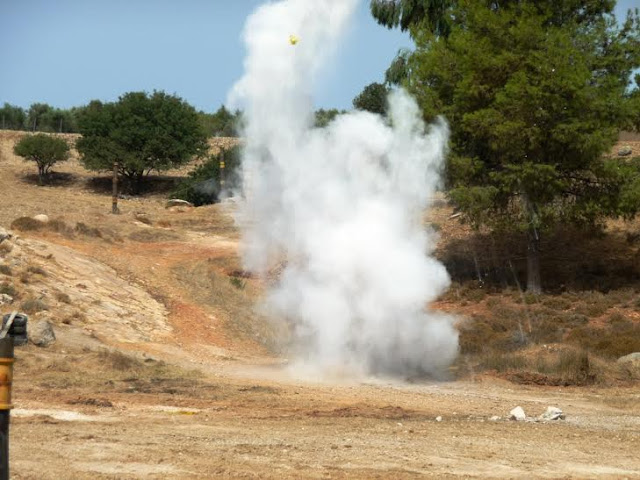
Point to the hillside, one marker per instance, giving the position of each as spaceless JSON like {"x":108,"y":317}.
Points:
{"x":164,"y":368}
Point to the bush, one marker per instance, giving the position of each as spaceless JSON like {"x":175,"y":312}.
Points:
{"x":43,"y":149}
{"x":203,"y":185}
{"x":8,"y":289}
{"x":5,"y":270}
{"x":33,"y":305}
{"x":26,"y":224}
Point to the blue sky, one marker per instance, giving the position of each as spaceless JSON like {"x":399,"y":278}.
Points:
{"x":67,"y":52}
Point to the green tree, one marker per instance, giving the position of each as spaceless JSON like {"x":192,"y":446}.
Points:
{"x":141,"y":133}
{"x":222,"y":123}
{"x":435,"y":14}
{"x":372,"y":99}
{"x":208,"y":182}
{"x":323,"y":117}
{"x":12,"y":117}
{"x":37,"y":117}
{"x":535,"y":95}
{"x":43,"y":149}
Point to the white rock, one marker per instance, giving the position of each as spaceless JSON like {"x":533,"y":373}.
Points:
{"x":41,"y":333}
{"x":517,"y":414}
{"x":552,"y":413}
{"x":176,"y":202}
{"x":42,"y":218}
{"x":5,"y":299}
{"x":438,"y":418}
{"x":632,"y":360}
{"x":495,"y":418}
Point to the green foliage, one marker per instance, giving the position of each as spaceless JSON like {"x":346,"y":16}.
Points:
{"x":142,"y":133}
{"x":535,"y":95}
{"x":372,"y":99}
{"x":222,"y":123}
{"x":325,"y":117}
{"x":12,"y":117}
{"x":408,"y":13}
{"x":43,"y":149}
{"x":203,"y":185}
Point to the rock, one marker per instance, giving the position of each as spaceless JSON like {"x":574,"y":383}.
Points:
{"x":625,"y":151}
{"x":5,"y":299}
{"x":552,"y":413}
{"x":41,"y":333}
{"x":176,"y":202}
{"x":517,"y":414}
{"x":4,"y":235}
{"x":495,"y":418}
{"x":42,"y":218}
{"x":631,"y":360}
{"x":438,"y":418}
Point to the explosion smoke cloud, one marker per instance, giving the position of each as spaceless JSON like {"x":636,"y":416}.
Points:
{"x":341,"y":205}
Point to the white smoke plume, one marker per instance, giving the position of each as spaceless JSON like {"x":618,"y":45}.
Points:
{"x":341,"y":206}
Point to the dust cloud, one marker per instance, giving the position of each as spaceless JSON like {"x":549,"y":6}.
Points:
{"x":339,"y":209}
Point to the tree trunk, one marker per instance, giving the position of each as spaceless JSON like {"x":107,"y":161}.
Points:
{"x":534,"y":283}
{"x":114,"y":182}
{"x":41,"y":175}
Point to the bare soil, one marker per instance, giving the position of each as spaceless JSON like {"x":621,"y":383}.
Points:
{"x":162,"y":369}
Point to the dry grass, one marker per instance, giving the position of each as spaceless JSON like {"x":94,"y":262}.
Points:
{"x":153,"y":235}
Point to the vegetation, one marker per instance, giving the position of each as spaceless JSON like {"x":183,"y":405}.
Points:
{"x":207,"y":182}
{"x":325,"y":117}
{"x":372,"y":99}
{"x":529,"y":128}
{"x":43,"y":149}
{"x":222,"y":123}
{"x":141,"y":133}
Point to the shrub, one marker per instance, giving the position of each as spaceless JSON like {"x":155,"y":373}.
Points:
{"x":8,"y":289}
{"x":63,"y":297}
{"x":33,"y":305}
{"x":5,"y":270}
{"x":26,"y":224}
{"x":43,"y":149}
{"x":203,"y":185}
{"x":83,"y":229}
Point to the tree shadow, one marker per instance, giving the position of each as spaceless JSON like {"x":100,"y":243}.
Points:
{"x":150,"y":185}
{"x":571,"y":259}
{"x":53,"y":179}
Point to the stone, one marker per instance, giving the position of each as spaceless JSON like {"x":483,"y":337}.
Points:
{"x":41,"y":333}
{"x":625,"y":151}
{"x":631,"y":360}
{"x":495,"y":418}
{"x":5,"y":299}
{"x":517,"y":414}
{"x":176,"y":202}
{"x":42,"y":218}
{"x":4,"y":235}
{"x":438,"y":418}
{"x":552,"y":413}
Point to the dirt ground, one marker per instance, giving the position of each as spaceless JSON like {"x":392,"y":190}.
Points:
{"x":162,"y":369}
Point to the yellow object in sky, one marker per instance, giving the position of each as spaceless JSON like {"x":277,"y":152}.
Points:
{"x":293,"y":39}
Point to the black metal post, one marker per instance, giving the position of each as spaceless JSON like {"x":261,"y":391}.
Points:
{"x":6,"y":377}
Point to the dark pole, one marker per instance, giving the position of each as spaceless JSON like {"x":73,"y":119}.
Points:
{"x":6,"y":376}
{"x":114,"y":198}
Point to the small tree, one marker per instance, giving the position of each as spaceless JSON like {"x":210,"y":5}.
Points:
{"x":141,"y":133}
{"x":43,"y":149}
{"x":208,"y":182}
{"x":372,"y":99}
